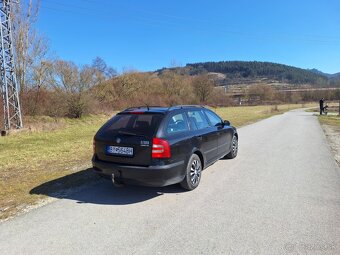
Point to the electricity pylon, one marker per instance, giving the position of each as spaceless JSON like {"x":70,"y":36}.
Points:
{"x":8,"y":81}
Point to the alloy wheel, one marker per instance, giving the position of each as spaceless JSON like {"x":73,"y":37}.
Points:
{"x":195,"y":171}
{"x":235,"y":145}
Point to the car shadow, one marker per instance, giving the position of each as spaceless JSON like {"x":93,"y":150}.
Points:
{"x":86,"y":187}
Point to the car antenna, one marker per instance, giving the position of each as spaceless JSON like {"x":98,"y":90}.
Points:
{"x":148,"y":107}
{"x":169,"y":107}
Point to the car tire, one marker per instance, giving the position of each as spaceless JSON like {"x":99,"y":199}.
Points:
{"x":234,"y":148}
{"x":193,"y":173}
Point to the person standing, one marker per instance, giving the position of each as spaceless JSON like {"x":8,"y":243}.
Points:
{"x":321,"y":102}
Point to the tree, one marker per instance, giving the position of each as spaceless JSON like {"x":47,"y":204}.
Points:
{"x":42,"y":78}
{"x":174,"y":87}
{"x":262,"y":91}
{"x":30,"y":48}
{"x":103,"y":71}
{"x":236,"y":70}
{"x":296,"y":98}
{"x":202,"y":87}
{"x":74,"y":83}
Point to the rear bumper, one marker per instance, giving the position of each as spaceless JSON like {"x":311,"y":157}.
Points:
{"x":156,"y":176}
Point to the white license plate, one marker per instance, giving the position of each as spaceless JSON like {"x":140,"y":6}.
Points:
{"x":117,"y":150}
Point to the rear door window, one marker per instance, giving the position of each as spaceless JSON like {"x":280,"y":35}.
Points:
{"x":135,"y":124}
{"x":177,"y":123}
{"x":197,"y":119}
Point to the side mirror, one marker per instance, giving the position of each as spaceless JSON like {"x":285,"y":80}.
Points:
{"x":226,"y":122}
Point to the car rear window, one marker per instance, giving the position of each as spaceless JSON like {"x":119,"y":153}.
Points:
{"x":135,"y":124}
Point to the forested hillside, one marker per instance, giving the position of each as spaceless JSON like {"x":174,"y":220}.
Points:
{"x":236,"y":71}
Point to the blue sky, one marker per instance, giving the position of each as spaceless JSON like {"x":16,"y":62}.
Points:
{"x":148,"y":35}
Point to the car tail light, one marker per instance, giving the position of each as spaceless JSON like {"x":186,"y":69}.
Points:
{"x":160,"y":148}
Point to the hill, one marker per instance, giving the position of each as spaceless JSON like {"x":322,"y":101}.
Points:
{"x":334,"y":79}
{"x":333,"y":76}
{"x":247,"y":72}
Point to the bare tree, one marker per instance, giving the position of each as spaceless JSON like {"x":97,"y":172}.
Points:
{"x":203,"y":87}
{"x":103,"y":71}
{"x":173,"y":86}
{"x":42,"y":78}
{"x":43,"y":74}
{"x":74,"y":83}
{"x":30,"y":47}
{"x":65,"y":76}
{"x":263,"y":92}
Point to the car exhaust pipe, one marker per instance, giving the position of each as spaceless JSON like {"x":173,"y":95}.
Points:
{"x":117,"y":183}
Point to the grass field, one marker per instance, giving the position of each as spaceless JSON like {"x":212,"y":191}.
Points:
{"x":28,"y":159}
{"x":53,"y":148}
{"x":331,"y":120}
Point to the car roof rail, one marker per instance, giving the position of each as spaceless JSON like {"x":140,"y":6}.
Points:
{"x":184,"y":106}
{"x":140,"y":107}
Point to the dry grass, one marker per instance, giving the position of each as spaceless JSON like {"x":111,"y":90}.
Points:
{"x":332,"y":120}
{"x":28,"y":158}
{"x":50,"y":149}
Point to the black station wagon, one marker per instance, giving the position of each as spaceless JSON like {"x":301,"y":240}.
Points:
{"x":159,"y":146}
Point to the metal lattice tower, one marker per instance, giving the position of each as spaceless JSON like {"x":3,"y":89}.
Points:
{"x":8,"y":82}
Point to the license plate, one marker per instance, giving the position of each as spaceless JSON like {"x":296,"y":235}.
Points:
{"x":117,"y":150}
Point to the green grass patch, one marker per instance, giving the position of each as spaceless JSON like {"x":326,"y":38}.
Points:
{"x":331,"y":120}
{"x":28,"y":159}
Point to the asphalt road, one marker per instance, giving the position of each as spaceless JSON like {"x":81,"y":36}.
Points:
{"x":281,"y":195}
